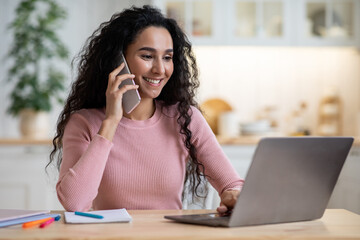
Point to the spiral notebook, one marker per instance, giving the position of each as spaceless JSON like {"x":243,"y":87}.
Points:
{"x":114,"y":215}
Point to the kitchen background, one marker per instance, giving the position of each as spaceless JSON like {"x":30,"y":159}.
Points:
{"x":272,"y":60}
{"x":252,"y":73}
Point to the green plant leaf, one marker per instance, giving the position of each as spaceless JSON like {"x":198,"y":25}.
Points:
{"x":35,"y":46}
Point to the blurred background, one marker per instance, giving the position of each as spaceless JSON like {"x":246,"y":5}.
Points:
{"x":267,"y":68}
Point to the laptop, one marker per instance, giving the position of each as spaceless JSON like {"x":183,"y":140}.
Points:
{"x":290,"y":179}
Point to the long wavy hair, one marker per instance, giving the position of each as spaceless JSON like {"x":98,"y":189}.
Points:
{"x":101,"y":54}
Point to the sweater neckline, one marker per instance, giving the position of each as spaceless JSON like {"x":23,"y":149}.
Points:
{"x":143,"y":123}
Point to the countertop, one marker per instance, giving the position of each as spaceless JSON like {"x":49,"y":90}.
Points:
{"x":24,"y":141}
{"x":253,"y":140}
{"x":241,"y":140}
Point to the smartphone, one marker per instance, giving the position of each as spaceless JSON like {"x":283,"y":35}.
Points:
{"x":132,"y":97}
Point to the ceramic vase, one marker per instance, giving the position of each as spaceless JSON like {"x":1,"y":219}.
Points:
{"x":34,"y":124}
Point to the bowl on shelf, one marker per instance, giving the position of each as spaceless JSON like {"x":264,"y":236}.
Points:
{"x":260,"y":127}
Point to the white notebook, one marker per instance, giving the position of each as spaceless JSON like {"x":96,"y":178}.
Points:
{"x":115,"y":215}
{"x":10,"y":214}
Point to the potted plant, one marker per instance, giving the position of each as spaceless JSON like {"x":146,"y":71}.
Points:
{"x":34,"y":55}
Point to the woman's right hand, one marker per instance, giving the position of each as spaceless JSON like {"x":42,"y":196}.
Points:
{"x":114,"y":110}
{"x":114,"y":94}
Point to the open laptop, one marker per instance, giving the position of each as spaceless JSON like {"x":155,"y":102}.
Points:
{"x":290,"y":179}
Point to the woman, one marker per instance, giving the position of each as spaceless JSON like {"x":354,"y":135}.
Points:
{"x":111,"y":159}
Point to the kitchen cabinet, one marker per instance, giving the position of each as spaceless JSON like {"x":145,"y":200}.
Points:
{"x":200,"y":19}
{"x":347,"y":190}
{"x":258,"y":22}
{"x":328,"y":22}
{"x":24,"y":184}
{"x":214,"y":22}
{"x":267,"y":22}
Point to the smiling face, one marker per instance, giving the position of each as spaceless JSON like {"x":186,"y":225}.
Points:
{"x":150,"y":59}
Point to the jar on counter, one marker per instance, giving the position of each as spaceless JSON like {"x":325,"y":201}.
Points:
{"x":228,"y":125}
{"x":298,"y":121}
{"x":330,"y":114}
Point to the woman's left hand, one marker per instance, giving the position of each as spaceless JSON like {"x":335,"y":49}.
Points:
{"x":228,"y":200}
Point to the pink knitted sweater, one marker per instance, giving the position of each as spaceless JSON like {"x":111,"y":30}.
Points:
{"x":144,"y":166}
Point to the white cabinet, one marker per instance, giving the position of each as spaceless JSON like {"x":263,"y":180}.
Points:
{"x":267,"y":22}
{"x":328,"y":22}
{"x":24,"y":183}
{"x":258,"y":22}
{"x":240,"y":157}
{"x":201,"y":20}
{"x":347,"y":190}
{"x":215,"y":22}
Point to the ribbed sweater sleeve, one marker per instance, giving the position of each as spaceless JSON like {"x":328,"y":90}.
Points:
{"x":84,"y":159}
{"x":221,"y":174}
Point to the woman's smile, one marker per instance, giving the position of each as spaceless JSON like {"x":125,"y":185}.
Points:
{"x":152,"y":81}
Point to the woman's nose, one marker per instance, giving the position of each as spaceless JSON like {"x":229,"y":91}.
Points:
{"x":158,"y":66}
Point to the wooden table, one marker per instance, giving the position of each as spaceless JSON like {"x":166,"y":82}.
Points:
{"x":150,"y":224}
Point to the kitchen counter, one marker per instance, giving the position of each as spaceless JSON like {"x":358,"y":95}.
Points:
{"x":240,"y":140}
{"x":253,"y":140}
{"x":24,"y":141}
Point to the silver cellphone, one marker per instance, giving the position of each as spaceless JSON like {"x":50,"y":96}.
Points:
{"x":132,"y":97}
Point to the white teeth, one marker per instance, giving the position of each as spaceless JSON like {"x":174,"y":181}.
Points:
{"x":152,"y":80}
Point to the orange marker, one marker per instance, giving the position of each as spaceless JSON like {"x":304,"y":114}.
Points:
{"x":36,"y":222}
{"x":48,"y":222}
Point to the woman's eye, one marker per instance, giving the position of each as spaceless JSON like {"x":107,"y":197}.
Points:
{"x":168,"y":58}
{"x":146,"y":56}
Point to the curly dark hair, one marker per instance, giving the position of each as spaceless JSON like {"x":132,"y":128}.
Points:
{"x":101,"y":54}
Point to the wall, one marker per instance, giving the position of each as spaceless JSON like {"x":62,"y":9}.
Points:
{"x":251,"y":78}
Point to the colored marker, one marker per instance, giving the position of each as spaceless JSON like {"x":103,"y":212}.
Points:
{"x":36,"y":222}
{"x":89,"y":215}
{"x":48,"y":222}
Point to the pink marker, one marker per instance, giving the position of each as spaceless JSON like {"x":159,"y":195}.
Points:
{"x":48,"y":222}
